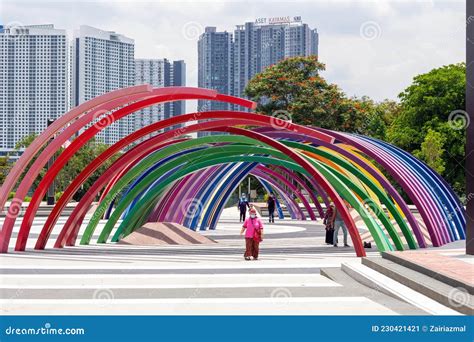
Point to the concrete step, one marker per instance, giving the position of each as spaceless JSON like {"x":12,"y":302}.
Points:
{"x":453,"y":280}
{"x":449,"y":296}
{"x":402,"y":306}
{"x":389,"y":287}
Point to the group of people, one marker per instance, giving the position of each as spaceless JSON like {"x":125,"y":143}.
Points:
{"x":244,"y":204}
{"x":253,"y":226}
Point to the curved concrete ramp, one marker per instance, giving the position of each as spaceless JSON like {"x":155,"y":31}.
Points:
{"x":164,"y":233}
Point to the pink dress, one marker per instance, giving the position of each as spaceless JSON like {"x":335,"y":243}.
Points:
{"x":250,"y":225}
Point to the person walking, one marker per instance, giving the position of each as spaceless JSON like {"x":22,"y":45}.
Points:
{"x":242,"y":207}
{"x":253,"y":228}
{"x":327,"y":221}
{"x":338,"y":223}
{"x":271,"y":207}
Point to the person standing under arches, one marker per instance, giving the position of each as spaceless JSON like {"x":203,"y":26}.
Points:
{"x":271,"y":207}
{"x":253,"y":228}
{"x":242,"y":207}
{"x":337,"y":223}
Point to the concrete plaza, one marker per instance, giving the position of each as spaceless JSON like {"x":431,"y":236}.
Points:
{"x":201,"y":279}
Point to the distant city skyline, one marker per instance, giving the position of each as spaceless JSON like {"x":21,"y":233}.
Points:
{"x":364,"y":44}
{"x":45,"y":73}
{"x":227,"y":61}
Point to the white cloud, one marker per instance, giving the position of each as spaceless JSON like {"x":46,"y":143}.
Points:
{"x":414,"y":36}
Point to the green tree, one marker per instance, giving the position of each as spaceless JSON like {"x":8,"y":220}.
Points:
{"x":429,"y":104}
{"x":4,"y":168}
{"x":295,"y":86}
{"x":73,"y":167}
{"x":432,"y":151}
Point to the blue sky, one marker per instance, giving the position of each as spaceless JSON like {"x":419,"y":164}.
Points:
{"x":370,"y":48}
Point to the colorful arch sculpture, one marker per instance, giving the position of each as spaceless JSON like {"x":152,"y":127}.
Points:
{"x":170,"y":171}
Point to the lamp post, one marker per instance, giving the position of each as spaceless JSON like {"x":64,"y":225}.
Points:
{"x":470,"y":129}
{"x":50,"y":194}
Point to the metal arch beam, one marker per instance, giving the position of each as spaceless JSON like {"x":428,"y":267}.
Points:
{"x":156,"y":165}
{"x":378,"y":211}
{"x":305,"y":186}
{"x":410,"y":185}
{"x":290,"y":152}
{"x":226,"y":187}
{"x":436,"y":197}
{"x":381,"y":216}
{"x":185,"y":194}
{"x":149,"y":179}
{"x":211,"y":221}
{"x":291,"y":186}
{"x":246,"y":118}
{"x":120,"y":163}
{"x":29,"y":153}
{"x":89,"y":133}
{"x":440,"y":186}
{"x":155,"y":96}
{"x":439,"y":212}
{"x":135,"y":218}
{"x":69,"y":232}
{"x":384,"y":182}
{"x":269,"y":188}
{"x":215,"y":209}
{"x":77,"y":218}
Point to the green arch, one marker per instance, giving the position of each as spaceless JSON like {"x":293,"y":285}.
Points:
{"x":378,"y":211}
{"x":214,"y":139}
{"x":139,"y":213}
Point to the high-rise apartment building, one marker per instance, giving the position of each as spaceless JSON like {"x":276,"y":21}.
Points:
{"x":215,"y":66}
{"x":33,"y":80}
{"x":267,"y":41}
{"x":159,"y":73}
{"x":102,"y":61}
{"x":228,"y":62}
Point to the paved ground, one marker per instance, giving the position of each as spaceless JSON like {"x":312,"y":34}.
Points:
{"x":204,"y":279}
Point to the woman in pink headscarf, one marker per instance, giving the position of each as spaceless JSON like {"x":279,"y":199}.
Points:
{"x":253,"y":228}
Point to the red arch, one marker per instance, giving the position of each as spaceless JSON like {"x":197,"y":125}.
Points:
{"x":89,"y":133}
{"x":156,"y":96}
{"x":76,"y":218}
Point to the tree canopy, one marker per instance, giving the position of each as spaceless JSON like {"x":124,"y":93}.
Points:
{"x":432,"y":117}
{"x":428,"y":121}
{"x":74,"y":166}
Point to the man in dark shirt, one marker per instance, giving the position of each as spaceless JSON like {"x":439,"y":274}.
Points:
{"x":242,"y":206}
{"x":271,"y":207}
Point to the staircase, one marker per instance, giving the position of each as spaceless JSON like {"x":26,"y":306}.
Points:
{"x":452,"y":289}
